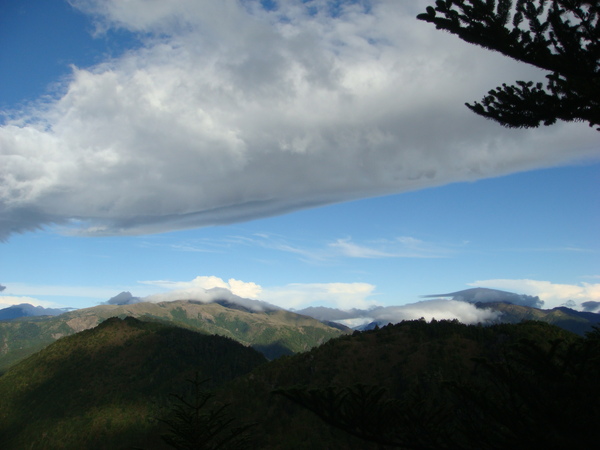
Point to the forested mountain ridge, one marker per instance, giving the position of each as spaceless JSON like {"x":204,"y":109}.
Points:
{"x":411,"y":362}
{"x":100,"y":388}
{"x":402,"y":380}
{"x":274,"y":332}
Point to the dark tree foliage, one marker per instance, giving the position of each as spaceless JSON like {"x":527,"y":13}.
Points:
{"x":559,"y":36}
{"x":534,"y":396}
{"x":368,"y":413}
{"x":537,"y":398}
{"x":194,"y":424}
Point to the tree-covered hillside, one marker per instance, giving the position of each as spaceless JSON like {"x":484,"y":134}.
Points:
{"x":412,"y":363}
{"x":412,"y":385}
{"x":273,"y":332}
{"x":99,"y":388}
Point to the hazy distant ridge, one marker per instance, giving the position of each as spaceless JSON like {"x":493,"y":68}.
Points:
{"x":27,"y":310}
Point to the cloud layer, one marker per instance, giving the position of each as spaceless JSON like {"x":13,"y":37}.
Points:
{"x":428,"y":309}
{"x":552,"y":294}
{"x":229,"y":112}
{"x":435,"y":309}
{"x":357,"y":298}
{"x":296,"y":295}
{"x":339,"y":295}
{"x":205,"y":283}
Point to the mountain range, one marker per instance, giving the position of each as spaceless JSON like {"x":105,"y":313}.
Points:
{"x":506,"y":307}
{"x":27,"y":310}
{"x":107,"y":377}
{"x":272,"y":331}
{"x":267,"y":328}
{"x":419,"y":383}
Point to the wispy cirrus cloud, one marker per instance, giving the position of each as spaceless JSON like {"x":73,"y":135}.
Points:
{"x":26,"y":289}
{"x":328,"y":251}
{"x":400,"y":247}
{"x":346,"y":247}
{"x":194,"y":248}
{"x":557,"y":249}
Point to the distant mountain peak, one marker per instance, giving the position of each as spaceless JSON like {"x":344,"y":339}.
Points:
{"x":472,"y":293}
{"x":123,"y":298}
{"x":486,"y":295}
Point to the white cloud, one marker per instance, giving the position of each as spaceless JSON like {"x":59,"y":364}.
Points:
{"x":319,"y":252}
{"x":229,"y":112}
{"x":204,"y":283}
{"x":197,"y":294}
{"x":283,"y":244}
{"x":436,"y":309}
{"x":296,"y":295}
{"x":552,"y":294}
{"x":339,"y":295}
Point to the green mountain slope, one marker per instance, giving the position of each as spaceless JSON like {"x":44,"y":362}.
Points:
{"x":273,"y":332}
{"x":98,"y":388}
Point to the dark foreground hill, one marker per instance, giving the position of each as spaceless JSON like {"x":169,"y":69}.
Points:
{"x":439,"y":385}
{"x":274,"y":332}
{"x":98,"y":389}
{"x":413,"y":381}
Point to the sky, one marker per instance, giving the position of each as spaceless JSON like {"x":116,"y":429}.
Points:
{"x":296,"y":152}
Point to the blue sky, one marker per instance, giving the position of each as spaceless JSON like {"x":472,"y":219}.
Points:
{"x":283,"y":153}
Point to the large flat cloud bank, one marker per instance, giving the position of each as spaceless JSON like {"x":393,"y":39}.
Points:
{"x":229,"y":111}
